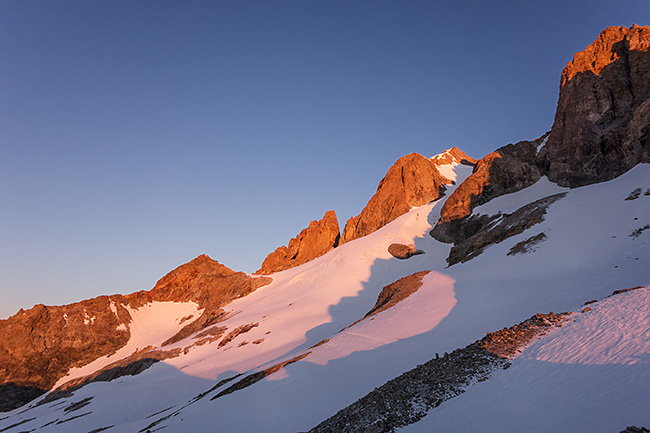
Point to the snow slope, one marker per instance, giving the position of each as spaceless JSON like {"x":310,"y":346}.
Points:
{"x":591,"y":375}
{"x":150,"y":326}
{"x":588,"y":253}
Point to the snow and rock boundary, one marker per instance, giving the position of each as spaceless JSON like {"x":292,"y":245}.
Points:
{"x":407,"y":398}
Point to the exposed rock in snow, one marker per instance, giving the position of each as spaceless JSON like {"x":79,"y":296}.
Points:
{"x":411,"y":182}
{"x":397,"y":291}
{"x":527,"y":245}
{"x":508,"y":169}
{"x":312,"y":242}
{"x":497,"y":228}
{"x":402,"y":251}
{"x":407,"y":398}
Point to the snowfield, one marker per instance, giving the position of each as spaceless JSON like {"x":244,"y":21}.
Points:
{"x":590,"y":375}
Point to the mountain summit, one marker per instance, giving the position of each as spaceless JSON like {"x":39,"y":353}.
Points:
{"x":602,"y":122}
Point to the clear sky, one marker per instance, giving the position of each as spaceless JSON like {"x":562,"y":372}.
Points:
{"x":135,"y":136}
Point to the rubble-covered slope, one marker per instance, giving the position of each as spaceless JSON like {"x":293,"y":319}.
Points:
{"x":589,"y":375}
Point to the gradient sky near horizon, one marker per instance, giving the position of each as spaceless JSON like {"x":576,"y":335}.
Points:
{"x":137,"y":135}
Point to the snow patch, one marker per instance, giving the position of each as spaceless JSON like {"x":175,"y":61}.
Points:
{"x":448,"y":171}
{"x":542,"y":144}
{"x":113,"y":308}
{"x":150,"y":326}
{"x":615,"y":331}
{"x":88,"y":320}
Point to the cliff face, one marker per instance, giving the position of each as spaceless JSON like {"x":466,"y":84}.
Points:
{"x":40,"y":345}
{"x":312,"y":242}
{"x":602,"y":122}
{"x":508,"y":169}
{"x":601,"y":130}
{"x":412,"y":181}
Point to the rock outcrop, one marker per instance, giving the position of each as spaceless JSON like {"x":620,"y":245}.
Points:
{"x":320,"y":237}
{"x":412,"y":181}
{"x":497,"y":228}
{"x":602,"y":122}
{"x":407,"y":398}
{"x":395,"y":292}
{"x":508,"y":169}
{"x":40,"y":345}
{"x":453,"y":156}
{"x":601,"y":130}
{"x":403,"y":252}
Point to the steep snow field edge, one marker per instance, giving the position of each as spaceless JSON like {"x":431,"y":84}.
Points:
{"x":593,"y":374}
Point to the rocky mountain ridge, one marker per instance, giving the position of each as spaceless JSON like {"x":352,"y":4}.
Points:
{"x":314,"y":241}
{"x":602,"y":127}
{"x":39,"y":346}
{"x":601,"y":130}
{"x":411,"y":182}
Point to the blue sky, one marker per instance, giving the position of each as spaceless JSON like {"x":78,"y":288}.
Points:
{"x":135,"y":136}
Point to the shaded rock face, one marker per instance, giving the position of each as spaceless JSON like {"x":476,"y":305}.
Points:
{"x":412,"y":181}
{"x":40,"y":345}
{"x":499,"y":228}
{"x":506,"y":170}
{"x":602,"y":122}
{"x":320,"y":237}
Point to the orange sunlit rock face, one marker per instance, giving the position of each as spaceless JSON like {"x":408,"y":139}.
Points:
{"x":606,"y":49}
{"x":412,"y":181}
{"x":312,"y":242}
{"x":508,"y":169}
{"x":601,"y":124}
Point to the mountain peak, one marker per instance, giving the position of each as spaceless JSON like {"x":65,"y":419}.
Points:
{"x":453,"y":156}
{"x":412,"y":181}
{"x":314,"y":241}
{"x":601,"y":124}
{"x":185,"y":282}
{"x":612,"y":44}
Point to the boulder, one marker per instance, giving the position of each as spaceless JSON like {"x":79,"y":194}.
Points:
{"x":402,"y":251}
